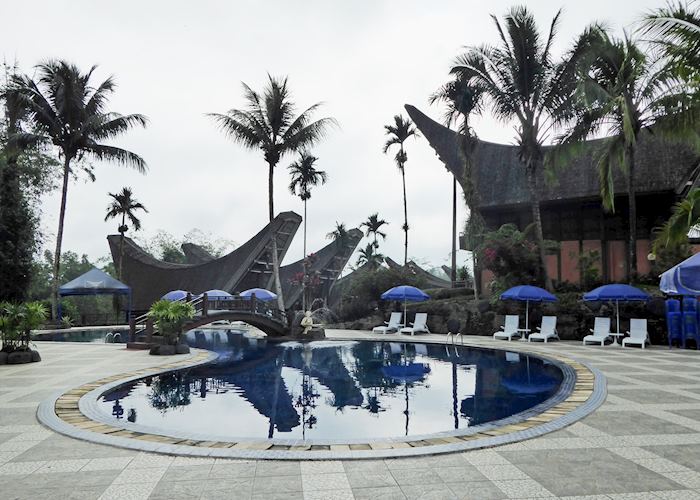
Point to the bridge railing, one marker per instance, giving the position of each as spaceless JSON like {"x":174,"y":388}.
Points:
{"x":204,"y":306}
{"x":243,"y":305}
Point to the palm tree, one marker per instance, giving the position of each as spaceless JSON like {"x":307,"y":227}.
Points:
{"x":398,"y":132}
{"x":621,"y":92}
{"x":685,"y":217}
{"x":463,"y":99}
{"x":373,"y":226}
{"x":269,"y":125}
{"x":676,"y":33}
{"x":304,"y":177}
{"x":66,"y":110}
{"x":370,"y":256}
{"x":125,"y":205}
{"x":522,"y":83}
{"x":339,"y":234}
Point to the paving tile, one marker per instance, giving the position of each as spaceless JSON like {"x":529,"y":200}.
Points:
{"x":232,"y":470}
{"x":352,"y":466}
{"x":148,"y":475}
{"x":177,"y":490}
{"x":428,"y":492}
{"x":523,"y":488}
{"x":321,"y":466}
{"x":621,"y":423}
{"x":410,"y":477}
{"x":56,"y":466}
{"x":329,"y":481}
{"x":21,"y":468}
{"x":476,"y":490}
{"x":273,"y":484}
{"x":383,"y":493}
{"x":277,"y":468}
{"x":342,"y":494}
{"x":678,"y":495}
{"x":501,"y":472}
{"x":370,"y":479}
{"x":133,"y":491}
{"x":99,"y":464}
{"x":683,"y":454}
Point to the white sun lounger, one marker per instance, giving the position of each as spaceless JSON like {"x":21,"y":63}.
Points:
{"x":638,"y":334}
{"x":509,"y":329}
{"x":420,"y":325}
{"x":390,"y":326}
{"x":600,"y":332}
{"x":548,"y":330}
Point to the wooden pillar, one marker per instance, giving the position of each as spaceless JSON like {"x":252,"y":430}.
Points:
{"x":132,"y":329}
{"x":253,"y":303}
{"x":205,"y":305}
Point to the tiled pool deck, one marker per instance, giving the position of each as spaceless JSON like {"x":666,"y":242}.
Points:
{"x":643,"y":442}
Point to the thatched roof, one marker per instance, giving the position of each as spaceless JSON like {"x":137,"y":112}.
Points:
{"x":500,"y":180}
{"x":431,"y":281}
{"x":196,"y":254}
{"x":248,"y":266}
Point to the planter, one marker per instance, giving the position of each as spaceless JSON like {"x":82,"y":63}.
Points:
{"x":169,"y":350}
{"x":19,"y":357}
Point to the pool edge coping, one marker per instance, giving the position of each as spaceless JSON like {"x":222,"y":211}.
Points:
{"x":79,"y":406}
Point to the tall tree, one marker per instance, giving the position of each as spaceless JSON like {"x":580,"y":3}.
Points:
{"x":370,"y":256}
{"x":373,"y":226}
{"x":17,"y":222}
{"x":339,"y":234}
{"x":462,"y":99}
{"x":124,"y":205}
{"x":398,"y":132}
{"x":523,"y":83}
{"x":269,"y":125}
{"x":624,"y":94}
{"x":66,"y":110}
{"x":304,"y":177}
{"x":675,"y":32}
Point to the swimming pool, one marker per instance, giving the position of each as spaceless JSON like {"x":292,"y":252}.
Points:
{"x":334,"y":390}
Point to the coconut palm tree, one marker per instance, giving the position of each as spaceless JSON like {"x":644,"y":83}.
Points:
{"x":624,"y":94}
{"x":339,"y":234}
{"x":522,"y":82}
{"x":462,"y":99}
{"x":269,"y":125}
{"x":373,"y":226}
{"x":304,"y":177}
{"x":370,"y":256}
{"x":685,"y":217}
{"x":125,"y":205}
{"x":675,"y":31}
{"x":66,"y":110}
{"x":398,"y":132}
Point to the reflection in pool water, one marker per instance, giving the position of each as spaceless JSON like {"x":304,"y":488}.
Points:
{"x":334,"y":390}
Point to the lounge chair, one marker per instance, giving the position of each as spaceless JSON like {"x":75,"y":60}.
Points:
{"x":421,"y":349}
{"x":419,"y":325}
{"x":547,"y":331}
{"x":600,"y":332}
{"x":638,"y":334}
{"x":390,"y":326}
{"x":509,"y":329}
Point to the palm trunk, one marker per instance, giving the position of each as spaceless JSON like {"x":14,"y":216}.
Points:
{"x":405,"y":216}
{"x":453,"y":273}
{"x":537,"y":219}
{"x":59,"y":239}
{"x":121,"y":246}
{"x":275,"y":257}
{"x":303,"y":283}
{"x":632,"y":197}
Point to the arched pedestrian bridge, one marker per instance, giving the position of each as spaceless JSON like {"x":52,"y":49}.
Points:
{"x":262,"y":315}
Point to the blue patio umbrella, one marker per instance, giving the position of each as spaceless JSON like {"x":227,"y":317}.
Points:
{"x":616,"y":292}
{"x":527,"y":294}
{"x":405,"y":293}
{"x":260,"y":294}
{"x":174,"y":295}
{"x":683,"y":278}
{"x":218,"y":295}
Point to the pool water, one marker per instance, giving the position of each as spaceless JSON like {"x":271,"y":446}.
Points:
{"x":335,"y":390}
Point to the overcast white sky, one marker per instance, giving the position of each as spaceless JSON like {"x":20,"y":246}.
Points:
{"x":175,"y":61}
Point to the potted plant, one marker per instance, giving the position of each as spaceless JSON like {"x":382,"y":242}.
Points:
{"x":16,"y":323}
{"x":170,"y":318}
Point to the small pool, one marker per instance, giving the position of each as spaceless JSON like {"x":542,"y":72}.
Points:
{"x":95,"y":335}
{"x":334,"y":390}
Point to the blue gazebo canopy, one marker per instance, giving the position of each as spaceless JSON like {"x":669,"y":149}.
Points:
{"x":94,"y":282}
{"x":683,"y":278}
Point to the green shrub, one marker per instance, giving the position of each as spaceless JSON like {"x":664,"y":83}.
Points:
{"x":16,"y":323}
{"x":170,"y":317}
